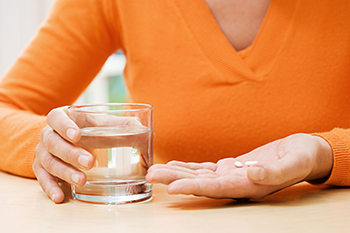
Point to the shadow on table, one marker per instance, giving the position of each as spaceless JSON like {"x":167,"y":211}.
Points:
{"x":297,"y":195}
{"x":66,"y":188}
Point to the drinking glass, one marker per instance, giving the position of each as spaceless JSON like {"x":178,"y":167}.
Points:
{"x":120,"y":137}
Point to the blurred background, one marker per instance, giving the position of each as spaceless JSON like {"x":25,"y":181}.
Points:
{"x":19,"y":21}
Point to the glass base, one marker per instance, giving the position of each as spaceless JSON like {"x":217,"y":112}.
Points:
{"x":112,"y":193}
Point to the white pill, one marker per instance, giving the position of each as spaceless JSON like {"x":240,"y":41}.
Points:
{"x":249,"y":163}
{"x":238,"y":164}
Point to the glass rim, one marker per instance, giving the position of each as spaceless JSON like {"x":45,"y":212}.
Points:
{"x":86,"y":108}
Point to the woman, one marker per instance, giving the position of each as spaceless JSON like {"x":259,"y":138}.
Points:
{"x":225,"y":77}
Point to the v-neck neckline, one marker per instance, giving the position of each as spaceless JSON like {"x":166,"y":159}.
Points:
{"x":252,"y":63}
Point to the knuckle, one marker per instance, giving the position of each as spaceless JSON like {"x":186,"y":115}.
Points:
{"x":43,"y":132}
{"x":49,"y":163}
{"x":37,"y":150}
{"x":35,"y":167}
{"x":69,"y":154}
{"x":66,"y":175}
{"x":51,"y":115}
{"x":49,"y":141}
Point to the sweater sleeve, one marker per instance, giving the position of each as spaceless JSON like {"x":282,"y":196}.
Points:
{"x":339,"y":139}
{"x":67,"y":52}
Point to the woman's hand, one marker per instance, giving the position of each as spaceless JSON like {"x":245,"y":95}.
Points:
{"x":60,"y":153}
{"x":299,"y":157}
{"x":57,"y":157}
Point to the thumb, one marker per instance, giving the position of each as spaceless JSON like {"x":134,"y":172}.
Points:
{"x":276,"y":172}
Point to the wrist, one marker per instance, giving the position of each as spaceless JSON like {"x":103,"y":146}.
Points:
{"x":323,"y":161}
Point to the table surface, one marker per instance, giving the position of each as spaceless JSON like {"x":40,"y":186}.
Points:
{"x":24,"y":207}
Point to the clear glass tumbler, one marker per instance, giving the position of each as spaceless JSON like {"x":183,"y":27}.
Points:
{"x":120,"y":137}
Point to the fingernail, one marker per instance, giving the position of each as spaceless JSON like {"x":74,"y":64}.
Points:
{"x":71,"y":134}
{"x":75,"y":178}
{"x":257,"y":173}
{"x":84,"y":160}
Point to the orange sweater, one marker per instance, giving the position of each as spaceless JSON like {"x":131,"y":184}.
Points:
{"x":210,"y":101}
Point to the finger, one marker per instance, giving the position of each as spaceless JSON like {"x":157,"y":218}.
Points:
{"x":169,"y":173}
{"x":59,"y":121}
{"x":197,"y":172}
{"x":199,"y":187}
{"x":194,"y":166}
{"x":285,"y":170}
{"x":84,"y":118}
{"x":156,"y":167}
{"x":165,"y":175}
{"x":67,"y":152}
{"x":60,"y":169}
{"x":48,"y":183}
{"x":221,"y":188}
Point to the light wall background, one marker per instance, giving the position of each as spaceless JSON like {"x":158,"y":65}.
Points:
{"x":19,"y":22}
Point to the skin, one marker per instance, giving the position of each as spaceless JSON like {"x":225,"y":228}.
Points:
{"x":57,"y":158}
{"x":60,"y":154}
{"x":240,"y":21}
{"x":282,"y":163}
{"x":299,"y":157}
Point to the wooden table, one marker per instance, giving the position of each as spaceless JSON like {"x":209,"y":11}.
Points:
{"x":300,"y":208}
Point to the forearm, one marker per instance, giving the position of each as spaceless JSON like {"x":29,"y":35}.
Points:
{"x":20,"y":133}
{"x":53,"y":71}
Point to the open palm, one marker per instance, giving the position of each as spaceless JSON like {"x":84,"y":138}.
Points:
{"x":280,"y":164}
